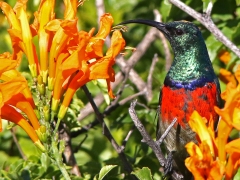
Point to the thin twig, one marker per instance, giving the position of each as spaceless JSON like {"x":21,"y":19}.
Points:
{"x":142,"y":47}
{"x":17,"y":144}
{"x":108,"y":134}
{"x":98,"y":99}
{"x":129,"y":98}
{"x":107,"y":111}
{"x":127,"y":137}
{"x":160,"y":140}
{"x":164,"y":41}
{"x":126,"y":68}
{"x":100,"y":11}
{"x":149,"y":79}
{"x":133,"y":75}
{"x":148,"y":140}
{"x":209,"y":24}
{"x":80,"y":144}
{"x":115,"y":105}
{"x":68,"y":151}
{"x":85,"y":128}
{"x":209,"y":8}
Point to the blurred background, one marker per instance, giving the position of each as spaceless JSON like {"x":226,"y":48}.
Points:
{"x":92,"y":149}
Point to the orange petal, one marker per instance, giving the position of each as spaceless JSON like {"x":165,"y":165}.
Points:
{"x":44,"y":15}
{"x":10,"y":114}
{"x":232,"y":165}
{"x":71,"y":9}
{"x":226,"y":76}
{"x":70,"y":27}
{"x":197,"y":124}
{"x":233,"y":146}
{"x":20,"y":102}
{"x":69,"y":66}
{"x":8,"y":11}
{"x":94,"y":48}
{"x":7,"y":64}
{"x":237,"y":73}
{"x":79,"y":80}
{"x":11,"y":88}
{"x":106,"y":22}
{"x":236,"y":118}
{"x":223,"y":133}
{"x":200,"y":162}
{"x":26,"y":34}
{"x":224,"y":56}
{"x":193,"y":150}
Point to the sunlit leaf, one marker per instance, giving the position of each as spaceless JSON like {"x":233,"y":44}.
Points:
{"x":143,"y":174}
{"x":105,"y":170}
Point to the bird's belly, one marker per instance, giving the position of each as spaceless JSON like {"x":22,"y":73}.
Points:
{"x":180,"y":104}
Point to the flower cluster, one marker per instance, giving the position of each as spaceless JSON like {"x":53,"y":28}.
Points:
{"x":65,"y":60}
{"x":217,"y":156}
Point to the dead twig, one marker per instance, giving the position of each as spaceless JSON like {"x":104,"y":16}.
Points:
{"x":68,"y":151}
{"x":17,"y":144}
{"x":108,"y":134}
{"x":149,"y":79}
{"x":206,"y":20}
{"x":148,"y":140}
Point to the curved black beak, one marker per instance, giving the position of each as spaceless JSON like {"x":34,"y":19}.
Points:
{"x":160,"y":26}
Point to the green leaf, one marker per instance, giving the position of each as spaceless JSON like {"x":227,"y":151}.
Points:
{"x":143,"y":173}
{"x":237,"y":175}
{"x":213,"y":45}
{"x":105,"y":170}
{"x":205,"y":4}
{"x":102,"y":84}
{"x":165,"y":9}
{"x":238,"y":2}
{"x":45,"y":161}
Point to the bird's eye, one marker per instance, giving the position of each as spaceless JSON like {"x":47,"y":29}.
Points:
{"x":179,"y":32}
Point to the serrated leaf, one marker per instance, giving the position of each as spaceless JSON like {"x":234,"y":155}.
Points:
{"x":105,"y":170}
{"x":143,"y":173}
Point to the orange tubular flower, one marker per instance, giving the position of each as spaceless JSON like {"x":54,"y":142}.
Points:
{"x":226,"y":76}
{"x":99,"y":69}
{"x":61,"y":37}
{"x":42,"y":17}
{"x":68,"y":59}
{"x":10,"y":114}
{"x":224,"y":56}
{"x":11,"y":93}
{"x":21,"y":39}
{"x":225,"y":161}
{"x":201,"y":161}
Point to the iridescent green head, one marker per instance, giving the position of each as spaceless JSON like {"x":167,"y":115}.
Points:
{"x":182,"y":35}
{"x":191,"y":60}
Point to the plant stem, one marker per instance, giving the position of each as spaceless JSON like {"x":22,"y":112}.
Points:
{"x":58,"y":159}
{"x":57,"y":126}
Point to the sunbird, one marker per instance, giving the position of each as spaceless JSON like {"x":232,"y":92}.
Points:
{"x":189,"y":85}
